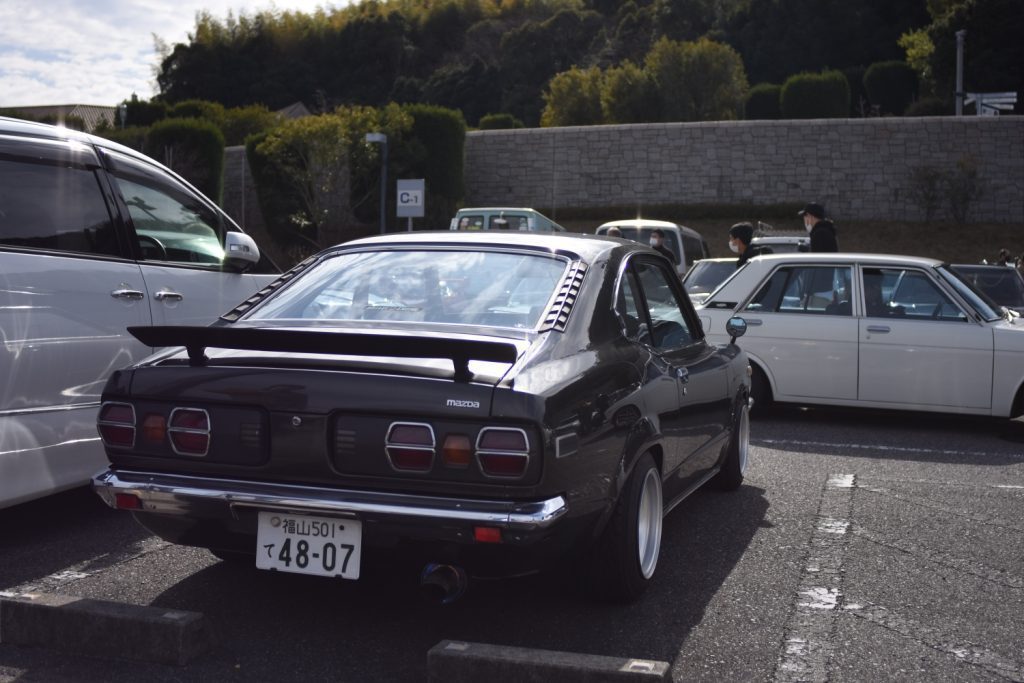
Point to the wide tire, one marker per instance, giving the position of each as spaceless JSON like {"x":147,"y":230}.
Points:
{"x":626,"y":555}
{"x":737,"y":456}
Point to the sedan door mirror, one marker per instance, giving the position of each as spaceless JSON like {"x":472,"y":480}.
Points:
{"x":240,"y":252}
{"x":735,"y":327}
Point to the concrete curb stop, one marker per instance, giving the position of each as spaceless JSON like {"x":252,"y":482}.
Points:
{"x":99,"y":628}
{"x":453,"y":661}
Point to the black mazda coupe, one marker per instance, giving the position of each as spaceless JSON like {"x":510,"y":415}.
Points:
{"x":490,"y":403}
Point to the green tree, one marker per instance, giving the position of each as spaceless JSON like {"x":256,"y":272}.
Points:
{"x":628,"y":95}
{"x":192,"y":147}
{"x":573,"y":98}
{"x":697,"y":81}
{"x":319,"y":157}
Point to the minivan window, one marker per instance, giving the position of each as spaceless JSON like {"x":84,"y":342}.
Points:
{"x":59,"y":207}
{"x":171,"y":223}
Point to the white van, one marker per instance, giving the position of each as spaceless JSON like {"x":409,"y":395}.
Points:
{"x":503,"y":218}
{"x":686,"y":243}
{"x":94,"y":237}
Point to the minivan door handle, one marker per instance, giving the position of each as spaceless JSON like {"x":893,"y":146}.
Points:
{"x":125,"y":293}
{"x":168,"y":295}
{"x":878,"y":329}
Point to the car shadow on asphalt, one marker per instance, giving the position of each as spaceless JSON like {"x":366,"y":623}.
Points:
{"x":891,"y":434}
{"x":69,"y":529}
{"x":294,"y":627}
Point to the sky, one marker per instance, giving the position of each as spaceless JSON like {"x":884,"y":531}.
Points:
{"x":101,"y":51}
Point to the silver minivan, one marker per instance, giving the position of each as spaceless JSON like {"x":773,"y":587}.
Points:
{"x":686,"y":243}
{"x":94,"y":238}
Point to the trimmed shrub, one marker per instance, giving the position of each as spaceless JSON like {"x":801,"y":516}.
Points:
{"x":816,"y":96}
{"x":197,"y":109}
{"x":143,"y":112}
{"x":498,"y":122}
{"x":132,"y":136}
{"x":241,"y":122}
{"x":763,"y":102}
{"x":192,"y":148}
{"x":892,"y":86}
{"x":929,"y":106}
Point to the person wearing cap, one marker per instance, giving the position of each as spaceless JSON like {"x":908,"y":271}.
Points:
{"x":613,"y":232}
{"x":821,"y":229}
{"x":740,"y":236}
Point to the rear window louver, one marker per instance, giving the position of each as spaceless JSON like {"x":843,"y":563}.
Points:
{"x":558,"y":314}
{"x":286,"y":277}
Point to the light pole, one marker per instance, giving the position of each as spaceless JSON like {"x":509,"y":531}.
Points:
{"x":960,"y":71}
{"x":383,"y":140}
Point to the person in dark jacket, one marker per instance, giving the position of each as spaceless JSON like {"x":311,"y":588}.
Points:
{"x":658,"y":244}
{"x":823,"y":232}
{"x":740,"y":236}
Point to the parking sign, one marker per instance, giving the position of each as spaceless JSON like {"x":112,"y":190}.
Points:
{"x":411,"y":198}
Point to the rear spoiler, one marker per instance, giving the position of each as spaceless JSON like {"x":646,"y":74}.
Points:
{"x":423,"y":345}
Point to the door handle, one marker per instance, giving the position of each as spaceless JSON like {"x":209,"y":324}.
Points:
{"x":753,"y":321}
{"x":878,"y":329}
{"x":125,"y":293}
{"x":168,"y":295}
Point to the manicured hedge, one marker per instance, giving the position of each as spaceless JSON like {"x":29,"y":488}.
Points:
{"x":763,"y":102}
{"x":499,"y":122}
{"x":193,"y":148}
{"x":892,"y":86}
{"x":816,"y":96}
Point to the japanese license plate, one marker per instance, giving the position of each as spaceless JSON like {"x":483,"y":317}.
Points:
{"x":322,"y":546}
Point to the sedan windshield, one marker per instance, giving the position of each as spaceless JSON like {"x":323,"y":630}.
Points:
{"x":705,"y":276}
{"x":490,"y":288}
{"x":985,"y":307}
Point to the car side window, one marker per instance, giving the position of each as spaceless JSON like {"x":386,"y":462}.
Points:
{"x":902,"y":293}
{"x":818,"y":290}
{"x":171,"y":223}
{"x":669,"y":327}
{"x":54,"y":206}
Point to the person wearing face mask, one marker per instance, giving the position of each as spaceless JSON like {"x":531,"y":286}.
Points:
{"x":821,"y":229}
{"x":658,"y":244}
{"x":740,"y":236}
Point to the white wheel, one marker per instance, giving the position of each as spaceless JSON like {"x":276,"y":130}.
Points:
{"x":648,"y":523}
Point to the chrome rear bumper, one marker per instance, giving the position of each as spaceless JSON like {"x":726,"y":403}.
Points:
{"x":200,"y":496}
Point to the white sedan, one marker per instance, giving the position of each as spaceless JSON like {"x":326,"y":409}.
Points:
{"x":872,"y":330}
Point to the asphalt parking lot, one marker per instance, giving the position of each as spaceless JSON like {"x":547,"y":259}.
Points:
{"x":863,"y":546}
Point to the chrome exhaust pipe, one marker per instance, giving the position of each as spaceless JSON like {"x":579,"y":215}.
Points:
{"x":443,"y":583}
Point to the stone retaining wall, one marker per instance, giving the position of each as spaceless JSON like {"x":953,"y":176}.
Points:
{"x":859,"y":168}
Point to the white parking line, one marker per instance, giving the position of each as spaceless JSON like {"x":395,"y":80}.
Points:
{"x":810,"y":629}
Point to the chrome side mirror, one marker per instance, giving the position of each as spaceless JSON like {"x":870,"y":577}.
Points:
{"x":735,"y":327}
{"x":240,"y":251}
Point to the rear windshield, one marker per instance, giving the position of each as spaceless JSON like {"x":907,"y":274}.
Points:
{"x":705,"y":276}
{"x":489,"y":288}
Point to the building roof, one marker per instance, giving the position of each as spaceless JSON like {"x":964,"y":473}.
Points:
{"x":91,"y":114}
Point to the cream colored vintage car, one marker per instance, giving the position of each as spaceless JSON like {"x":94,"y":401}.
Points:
{"x":872,"y":330}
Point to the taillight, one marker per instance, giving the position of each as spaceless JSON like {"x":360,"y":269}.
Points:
{"x":503,"y":451}
{"x":189,"y":430}
{"x":410,"y":446}
{"x":116,"y":425}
